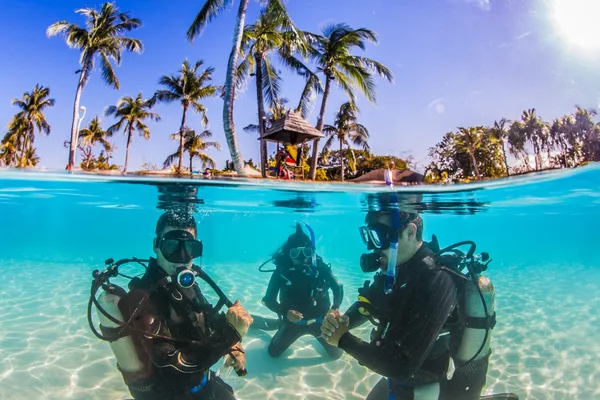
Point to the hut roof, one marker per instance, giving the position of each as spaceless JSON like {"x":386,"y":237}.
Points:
{"x":292,"y":129}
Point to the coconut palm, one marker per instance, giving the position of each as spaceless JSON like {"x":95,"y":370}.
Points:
{"x":588,"y":132}
{"x":32,"y":107}
{"x":207,"y":13}
{"x":273,"y":32}
{"x":196,"y":146}
{"x":93,"y":134}
{"x":347,"y":131}
{"x":470,"y":140}
{"x":332,"y":54}
{"x":9,"y":148}
{"x":188,"y":88}
{"x":131,"y":114}
{"x":101,"y":37}
{"x":499,"y":133}
{"x":535,"y":131}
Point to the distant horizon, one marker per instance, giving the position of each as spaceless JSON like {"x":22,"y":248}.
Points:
{"x":504,"y":57}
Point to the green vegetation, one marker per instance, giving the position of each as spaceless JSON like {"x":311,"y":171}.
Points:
{"x":259,"y":50}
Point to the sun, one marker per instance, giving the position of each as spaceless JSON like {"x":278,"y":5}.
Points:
{"x":579,"y":22}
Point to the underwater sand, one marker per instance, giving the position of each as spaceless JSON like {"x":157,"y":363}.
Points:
{"x":545,"y":343}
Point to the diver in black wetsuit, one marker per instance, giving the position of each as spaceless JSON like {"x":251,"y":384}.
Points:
{"x":302,"y":280}
{"x":179,"y":369}
{"x":414,"y":303}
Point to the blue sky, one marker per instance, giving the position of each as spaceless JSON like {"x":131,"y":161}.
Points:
{"x":456,"y":63}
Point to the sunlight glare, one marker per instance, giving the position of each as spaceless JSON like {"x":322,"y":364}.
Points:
{"x":578,"y":20}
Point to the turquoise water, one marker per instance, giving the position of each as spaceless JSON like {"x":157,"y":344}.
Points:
{"x":58,"y":228}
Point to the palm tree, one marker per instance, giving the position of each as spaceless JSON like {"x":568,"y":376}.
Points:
{"x":103,"y":37}
{"x":331,"y":52}
{"x":131,"y":114}
{"x":469,"y":140}
{"x":32,"y":107}
{"x":93,"y":134}
{"x":499,"y":133}
{"x":210,"y":10}
{"x":588,"y":132}
{"x":535,"y":131}
{"x":347,"y":131}
{"x":273,"y":32}
{"x":189,"y":87}
{"x":195,"y":144}
{"x":9,"y":148}
{"x":517,"y":141}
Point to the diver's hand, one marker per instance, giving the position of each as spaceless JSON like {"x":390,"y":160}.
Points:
{"x":330,"y":323}
{"x":239,"y":318}
{"x":294,"y":316}
{"x":236,"y":359}
{"x":333,"y":327}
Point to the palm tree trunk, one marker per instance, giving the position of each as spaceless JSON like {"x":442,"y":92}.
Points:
{"x":181,"y":140}
{"x":74,"y":133}
{"x":320,"y":123}
{"x":129,"y":135}
{"x":228,"y":124}
{"x":89,"y":158}
{"x":505,"y":161}
{"x":474,"y":163}
{"x":191,"y":171}
{"x":342,"y":159}
{"x":261,"y":114}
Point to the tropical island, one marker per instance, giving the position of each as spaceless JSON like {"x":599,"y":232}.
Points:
{"x":336,"y":149}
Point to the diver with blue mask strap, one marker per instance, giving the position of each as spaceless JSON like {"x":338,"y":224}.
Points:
{"x":298,"y":292}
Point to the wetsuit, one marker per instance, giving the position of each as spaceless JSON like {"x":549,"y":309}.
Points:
{"x":411,"y":352}
{"x":305,"y":291}
{"x":175,"y":370}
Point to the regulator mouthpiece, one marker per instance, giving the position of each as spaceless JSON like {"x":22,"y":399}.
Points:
{"x":371,"y":262}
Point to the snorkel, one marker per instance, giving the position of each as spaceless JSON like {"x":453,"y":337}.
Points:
{"x":390,"y":275}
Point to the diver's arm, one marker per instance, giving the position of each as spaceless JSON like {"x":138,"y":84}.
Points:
{"x":356,"y":318}
{"x":401,"y":361}
{"x":270,"y":299}
{"x":336,"y":288}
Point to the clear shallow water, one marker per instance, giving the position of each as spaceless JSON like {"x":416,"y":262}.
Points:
{"x":56,"y":229}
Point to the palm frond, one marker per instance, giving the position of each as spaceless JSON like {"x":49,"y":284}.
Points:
{"x":209,"y":11}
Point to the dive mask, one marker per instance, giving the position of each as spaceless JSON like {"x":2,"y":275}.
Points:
{"x":180,"y":246}
{"x":376,"y":236}
{"x":307,"y":252}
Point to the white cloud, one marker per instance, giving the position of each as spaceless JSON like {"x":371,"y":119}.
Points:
{"x":485,"y":5}
{"x":437,"y":105}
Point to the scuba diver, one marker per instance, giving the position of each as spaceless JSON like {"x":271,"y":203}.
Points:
{"x":432,"y":321}
{"x":302,"y":280}
{"x":164,"y":333}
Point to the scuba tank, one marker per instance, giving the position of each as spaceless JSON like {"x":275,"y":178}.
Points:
{"x":475,"y":330}
{"x":123,"y":348}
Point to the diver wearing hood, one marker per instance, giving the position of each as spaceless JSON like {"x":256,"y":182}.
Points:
{"x":414,"y":302}
{"x":302,"y":280}
{"x":179,"y":368}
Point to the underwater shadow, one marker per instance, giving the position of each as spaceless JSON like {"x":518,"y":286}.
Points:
{"x":259,"y":362}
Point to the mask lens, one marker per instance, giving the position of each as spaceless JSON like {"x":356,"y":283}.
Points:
{"x":306,"y":252}
{"x":364,"y":234}
{"x":375,"y":238}
{"x":194,"y":248}
{"x":169,"y":246}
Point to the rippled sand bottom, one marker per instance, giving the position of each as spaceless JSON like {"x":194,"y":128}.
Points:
{"x":545,"y":342}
